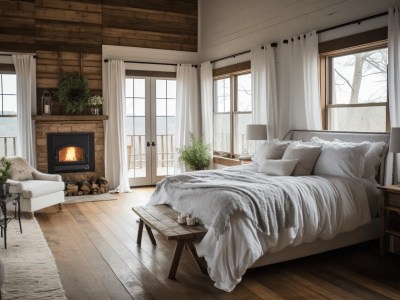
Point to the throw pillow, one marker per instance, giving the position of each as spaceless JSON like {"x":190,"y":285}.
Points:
{"x":341,"y":160}
{"x":270,"y":150}
{"x":20,"y":169}
{"x":277,"y":167}
{"x":305,"y":154}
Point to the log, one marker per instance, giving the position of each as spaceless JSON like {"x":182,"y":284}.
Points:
{"x":80,"y":193}
{"x":85,"y":186}
{"x":101,"y":190}
{"x":72,"y":189}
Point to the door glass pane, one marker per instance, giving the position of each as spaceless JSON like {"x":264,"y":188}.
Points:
{"x":135,"y":127}
{"x":222,"y":135}
{"x":165,"y":126}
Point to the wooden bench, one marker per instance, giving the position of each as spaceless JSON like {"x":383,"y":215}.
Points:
{"x":163,"y":219}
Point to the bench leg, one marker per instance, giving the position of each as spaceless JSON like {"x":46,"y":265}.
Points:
{"x":175,"y":260}
{"x":201,"y":263}
{"x":151,"y":236}
{"x":139,"y":234}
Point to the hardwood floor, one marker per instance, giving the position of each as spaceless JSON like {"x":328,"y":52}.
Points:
{"x":94,"y":245}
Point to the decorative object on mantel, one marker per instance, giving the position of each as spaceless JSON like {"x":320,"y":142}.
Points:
{"x":196,"y":156}
{"x":95,"y":103}
{"x":46,"y":103}
{"x":5,"y":172}
{"x":73,"y":92}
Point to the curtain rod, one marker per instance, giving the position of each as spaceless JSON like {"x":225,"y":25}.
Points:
{"x":358,"y":21}
{"x":6,"y":54}
{"x":149,"y":63}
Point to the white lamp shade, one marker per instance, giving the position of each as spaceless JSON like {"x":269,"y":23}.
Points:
{"x":256,"y":132}
{"x":394,"y":145}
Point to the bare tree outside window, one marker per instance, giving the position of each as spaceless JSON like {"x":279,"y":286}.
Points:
{"x":359,"y":91}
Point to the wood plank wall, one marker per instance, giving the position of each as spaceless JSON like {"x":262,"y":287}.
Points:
{"x":67,"y":36}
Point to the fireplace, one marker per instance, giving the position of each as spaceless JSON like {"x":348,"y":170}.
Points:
{"x":70,"y":152}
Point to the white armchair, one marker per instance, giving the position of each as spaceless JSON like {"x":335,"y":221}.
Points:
{"x":38,"y":190}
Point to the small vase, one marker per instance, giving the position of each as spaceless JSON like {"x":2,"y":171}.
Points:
{"x":4,"y":189}
{"x":95,"y":111}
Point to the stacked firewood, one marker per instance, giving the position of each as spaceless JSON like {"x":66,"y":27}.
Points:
{"x":94,"y":186}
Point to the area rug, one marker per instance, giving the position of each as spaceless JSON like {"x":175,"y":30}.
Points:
{"x":89,"y":198}
{"x":29,"y":267}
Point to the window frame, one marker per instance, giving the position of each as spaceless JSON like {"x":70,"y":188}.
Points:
{"x":366,"y":41}
{"x":231,"y":72}
{"x":8,"y":69}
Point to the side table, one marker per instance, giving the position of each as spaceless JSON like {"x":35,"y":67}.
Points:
{"x":15,"y":198}
{"x":390,"y":219}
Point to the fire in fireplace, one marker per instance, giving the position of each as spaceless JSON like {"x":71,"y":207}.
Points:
{"x":70,"y":152}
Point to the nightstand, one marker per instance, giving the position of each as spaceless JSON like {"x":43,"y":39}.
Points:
{"x":390,"y":219}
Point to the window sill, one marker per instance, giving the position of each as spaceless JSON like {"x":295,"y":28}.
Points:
{"x":226,"y":161}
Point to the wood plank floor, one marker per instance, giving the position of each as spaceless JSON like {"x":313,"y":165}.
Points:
{"x":94,"y":245}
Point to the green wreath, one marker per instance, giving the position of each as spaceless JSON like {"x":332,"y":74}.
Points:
{"x":73,"y":92}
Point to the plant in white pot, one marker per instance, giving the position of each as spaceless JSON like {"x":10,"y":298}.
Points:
{"x":197,"y":155}
{"x":5,"y":171}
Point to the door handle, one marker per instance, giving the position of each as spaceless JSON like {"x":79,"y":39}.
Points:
{"x":148,"y":144}
{"x":153,"y":144}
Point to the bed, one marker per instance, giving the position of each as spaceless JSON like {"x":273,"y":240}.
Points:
{"x":254,"y":219}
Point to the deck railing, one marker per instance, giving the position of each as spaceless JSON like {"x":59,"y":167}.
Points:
{"x":136,"y":150}
{"x":8,"y":145}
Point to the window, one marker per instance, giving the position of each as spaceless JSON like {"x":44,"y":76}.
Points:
{"x":232,"y":112}
{"x":8,"y":114}
{"x":354,"y":82}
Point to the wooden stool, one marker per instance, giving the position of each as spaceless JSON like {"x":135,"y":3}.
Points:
{"x":163,"y":219}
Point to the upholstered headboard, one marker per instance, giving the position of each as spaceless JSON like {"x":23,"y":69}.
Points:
{"x":385,"y":171}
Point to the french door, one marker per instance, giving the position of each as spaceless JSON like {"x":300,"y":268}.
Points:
{"x":150,"y":128}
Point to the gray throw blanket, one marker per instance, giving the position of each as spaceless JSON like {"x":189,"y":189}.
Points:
{"x":214,"y":196}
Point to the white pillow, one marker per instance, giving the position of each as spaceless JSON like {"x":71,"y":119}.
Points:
{"x":270,"y":150}
{"x":341,"y":160}
{"x":372,"y":157}
{"x":306,"y":155}
{"x":278,"y":167}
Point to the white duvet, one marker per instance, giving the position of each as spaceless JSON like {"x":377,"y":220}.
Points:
{"x":249,"y":214}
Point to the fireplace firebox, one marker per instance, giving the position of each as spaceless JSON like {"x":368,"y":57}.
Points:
{"x":70,"y":152}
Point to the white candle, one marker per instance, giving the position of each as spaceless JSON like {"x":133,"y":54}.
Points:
{"x":46,"y":109}
{"x":181,"y":220}
{"x":190,"y":221}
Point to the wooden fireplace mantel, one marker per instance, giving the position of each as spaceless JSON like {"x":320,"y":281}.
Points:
{"x":63,"y":118}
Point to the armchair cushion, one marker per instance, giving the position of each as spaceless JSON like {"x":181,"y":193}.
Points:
{"x":36,"y":188}
{"x":20,"y":169}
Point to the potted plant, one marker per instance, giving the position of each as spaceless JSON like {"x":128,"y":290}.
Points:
{"x":73,"y":92}
{"x":196,"y":156}
{"x":95,"y":102}
{"x":5,"y":171}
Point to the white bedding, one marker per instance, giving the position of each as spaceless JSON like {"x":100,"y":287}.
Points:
{"x":299,"y":210}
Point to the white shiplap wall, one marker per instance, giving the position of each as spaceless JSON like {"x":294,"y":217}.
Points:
{"x":231,"y":26}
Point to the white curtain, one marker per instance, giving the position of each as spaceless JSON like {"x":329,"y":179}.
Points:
{"x":393,"y":80}
{"x":25,"y":68}
{"x":394,"y":65}
{"x":264,"y":93}
{"x":304,"y":109}
{"x":187,"y":108}
{"x":116,"y":168}
{"x":206,"y":84}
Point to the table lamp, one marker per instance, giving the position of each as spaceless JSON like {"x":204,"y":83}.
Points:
{"x":256,"y":132}
{"x":394,"y":146}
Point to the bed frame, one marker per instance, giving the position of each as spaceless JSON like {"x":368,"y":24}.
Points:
{"x":362,"y":234}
